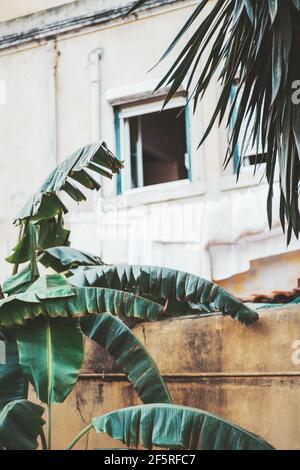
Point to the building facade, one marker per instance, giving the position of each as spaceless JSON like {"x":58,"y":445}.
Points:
{"x":73,"y":72}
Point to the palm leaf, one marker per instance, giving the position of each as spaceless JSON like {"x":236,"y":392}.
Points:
{"x":51,"y":354}
{"x":67,"y":301}
{"x":176,"y":427}
{"x":182,"y":293}
{"x":257,"y":43}
{"x":63,"y":258}
{"x":136,"y":5}
{"x":130,"y":354}
{"x":20,"y":425}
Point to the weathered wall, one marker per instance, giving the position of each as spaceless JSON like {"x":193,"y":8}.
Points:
{"x":263,"y":278}
{"x":15,"y":8}
{"x":248,"y":375}
{"x":203,"y":224}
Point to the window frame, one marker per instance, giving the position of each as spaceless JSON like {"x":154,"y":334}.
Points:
{"x":122,"y":114}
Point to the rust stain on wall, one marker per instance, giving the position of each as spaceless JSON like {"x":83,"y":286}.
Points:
{"x":245,"y":375}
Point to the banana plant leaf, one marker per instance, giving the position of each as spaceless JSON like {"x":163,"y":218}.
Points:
{"x":182,"y":293}
{"x":13,"y":384}
{"x":41,"y":219}
{"x":130,"y":354}
{"x":22,"y":280}
{"x":22,"y":252}
{"x":63,"y":258}
{"x":52,"y":233}
{"x":20,"y":425}
{"x":95,"y":157}
{"x":50,"y":355}
{"x":176,"y":427}
{"x":68,"y":301}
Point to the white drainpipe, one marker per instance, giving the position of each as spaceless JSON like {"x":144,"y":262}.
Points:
{"x":53,"y":55}
{"x":95,"y":57}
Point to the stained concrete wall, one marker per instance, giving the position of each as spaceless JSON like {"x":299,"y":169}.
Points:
{"x":15,"y":8}
{"x":130,"y":47}
{"x":249,"y":375}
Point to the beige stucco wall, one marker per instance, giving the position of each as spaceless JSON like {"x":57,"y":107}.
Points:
{"x":130,"y":47}
{"x":24,"y":136}
{"x":15,"y":8}
{"x":263,"y":278}
{"x":249,"y":375}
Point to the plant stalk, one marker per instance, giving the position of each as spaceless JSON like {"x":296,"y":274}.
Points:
{"x":78,"y":436}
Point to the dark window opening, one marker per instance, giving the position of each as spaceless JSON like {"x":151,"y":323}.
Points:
{"x":158,"y":148}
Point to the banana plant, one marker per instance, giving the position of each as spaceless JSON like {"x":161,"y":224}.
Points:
{"x":44,"y":319}
{"x":49,"y":321}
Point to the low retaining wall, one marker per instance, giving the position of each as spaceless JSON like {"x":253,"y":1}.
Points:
{"x":248,"y":375}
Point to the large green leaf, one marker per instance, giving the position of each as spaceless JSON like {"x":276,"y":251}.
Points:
{"x":22,"y":280}
{"x":176,"y":427}
{"x":51,"y":354}
{"x":20,"y":425}
{"x":13,"y":384}
{"x":130,"y":354}
{"x":42,"y":216}
{"x":182,"y":293}
{"x":68,"y":301}
{"x":26,"y":246}
{"x":63,"y":258}
{"x":95,"y":157}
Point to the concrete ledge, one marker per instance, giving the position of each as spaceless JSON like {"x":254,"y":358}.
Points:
{"x":66,"y":18}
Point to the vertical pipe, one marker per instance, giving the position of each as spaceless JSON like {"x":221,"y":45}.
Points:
{"x":94,"y":58}
{"x":53,"y":55}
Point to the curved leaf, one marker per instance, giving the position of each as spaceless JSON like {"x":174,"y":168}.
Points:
{"x":94,"y":156}
{"x":67,"y":301}
{"x":13,"y":384}
{"x":41,"y":219}
{"x":63,"y":258}
{"x":176,"y":427}
{"x":51,"y":354}
{"x":130,"y":354}
{"x":20,"y":425}
{"x":21,"y":281}
{"x":185,"y":293}
{"x":25,"y":247}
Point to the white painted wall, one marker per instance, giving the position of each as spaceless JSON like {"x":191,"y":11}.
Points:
{"x":212,"y":233}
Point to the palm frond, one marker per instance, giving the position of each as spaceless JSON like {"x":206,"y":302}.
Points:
{"x":257,"y":43}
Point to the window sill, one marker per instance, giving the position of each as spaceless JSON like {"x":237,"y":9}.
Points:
{"x":246,"y":179}
{"x":162,"y":192}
